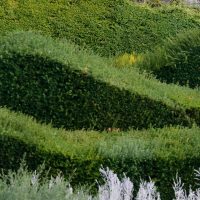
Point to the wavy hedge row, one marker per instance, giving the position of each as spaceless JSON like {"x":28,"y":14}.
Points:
{"x":58,"y":83}
{"x":108,"y":27}
{"x":177,"y":60}
{"x":160,"y":154}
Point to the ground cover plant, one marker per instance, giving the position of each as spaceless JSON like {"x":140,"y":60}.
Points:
{"x":158,"y":154}
{"x":56,"y":82}
{"x":108,"y":27}
{"x":176,"y":61}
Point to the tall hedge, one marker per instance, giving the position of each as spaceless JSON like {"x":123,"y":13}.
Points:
{"x":67,"y":96}
{"x":177,"y":60}
{"x":159,"y":154}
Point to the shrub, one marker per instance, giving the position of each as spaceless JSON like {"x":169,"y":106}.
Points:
{"x":177,"y":60}
{"x":158,"y":154}
{"x":109,"y":27}
{"x":27,"y":186}
{"x":57,"y":83}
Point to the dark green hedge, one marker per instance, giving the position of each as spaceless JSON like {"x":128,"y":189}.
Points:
{"x":160,"y":154}
{"x":54,"y":93}
{"x":162,"y":171}
{"x":108,"y":27}
{"x":66,"y":96}
{"x":14,"y":151}
{"x":177,"y":61}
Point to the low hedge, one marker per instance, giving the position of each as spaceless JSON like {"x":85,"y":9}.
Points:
{"x":177,"y":60}
{"x":159,"y":154}
{"x":59,"y":84}
{"x":109,"y":27}
{"x":22,"y":138}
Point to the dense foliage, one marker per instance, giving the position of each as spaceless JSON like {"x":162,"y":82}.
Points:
{"x":177,"y":60}
{"x":30,"y":186}
{"x":46,"y":72}
{"x":48,"y":80}
{"x":108,"y":26}
{"x":159,"y":153}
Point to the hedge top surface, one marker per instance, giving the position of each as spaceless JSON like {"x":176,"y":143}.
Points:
{"x":45,"y":137}
{"x":29,"y":43}
{"x":177,"y":60}
{"x":163,"y":143}
{"x":108,"y":27}
{"x":173,"y":51}
{"x":158,"y":153}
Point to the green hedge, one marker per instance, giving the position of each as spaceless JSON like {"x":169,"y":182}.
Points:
{"x":159,"y":153}
{"x":60,"y":150}
{"x":177,"y":60}
{"x":108,"y":27}
{"x":59,"y":84}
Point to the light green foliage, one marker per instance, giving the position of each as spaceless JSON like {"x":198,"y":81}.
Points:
{"x":125,"y":60}
{"x":34,"y":186}
{"x":58,"y":82}
{"x":109,"y":27}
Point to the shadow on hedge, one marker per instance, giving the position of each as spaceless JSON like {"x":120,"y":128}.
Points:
{"x":177,"y":60}
{"x":85,"y":171}
{"x":54,"y":93}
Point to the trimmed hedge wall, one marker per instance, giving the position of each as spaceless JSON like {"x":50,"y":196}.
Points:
{"x":177,"y":61}
{"x":159,"y":154}
{"x":52,"y":93}
{"x":66,"y":96}
{"x":109,"y":27}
